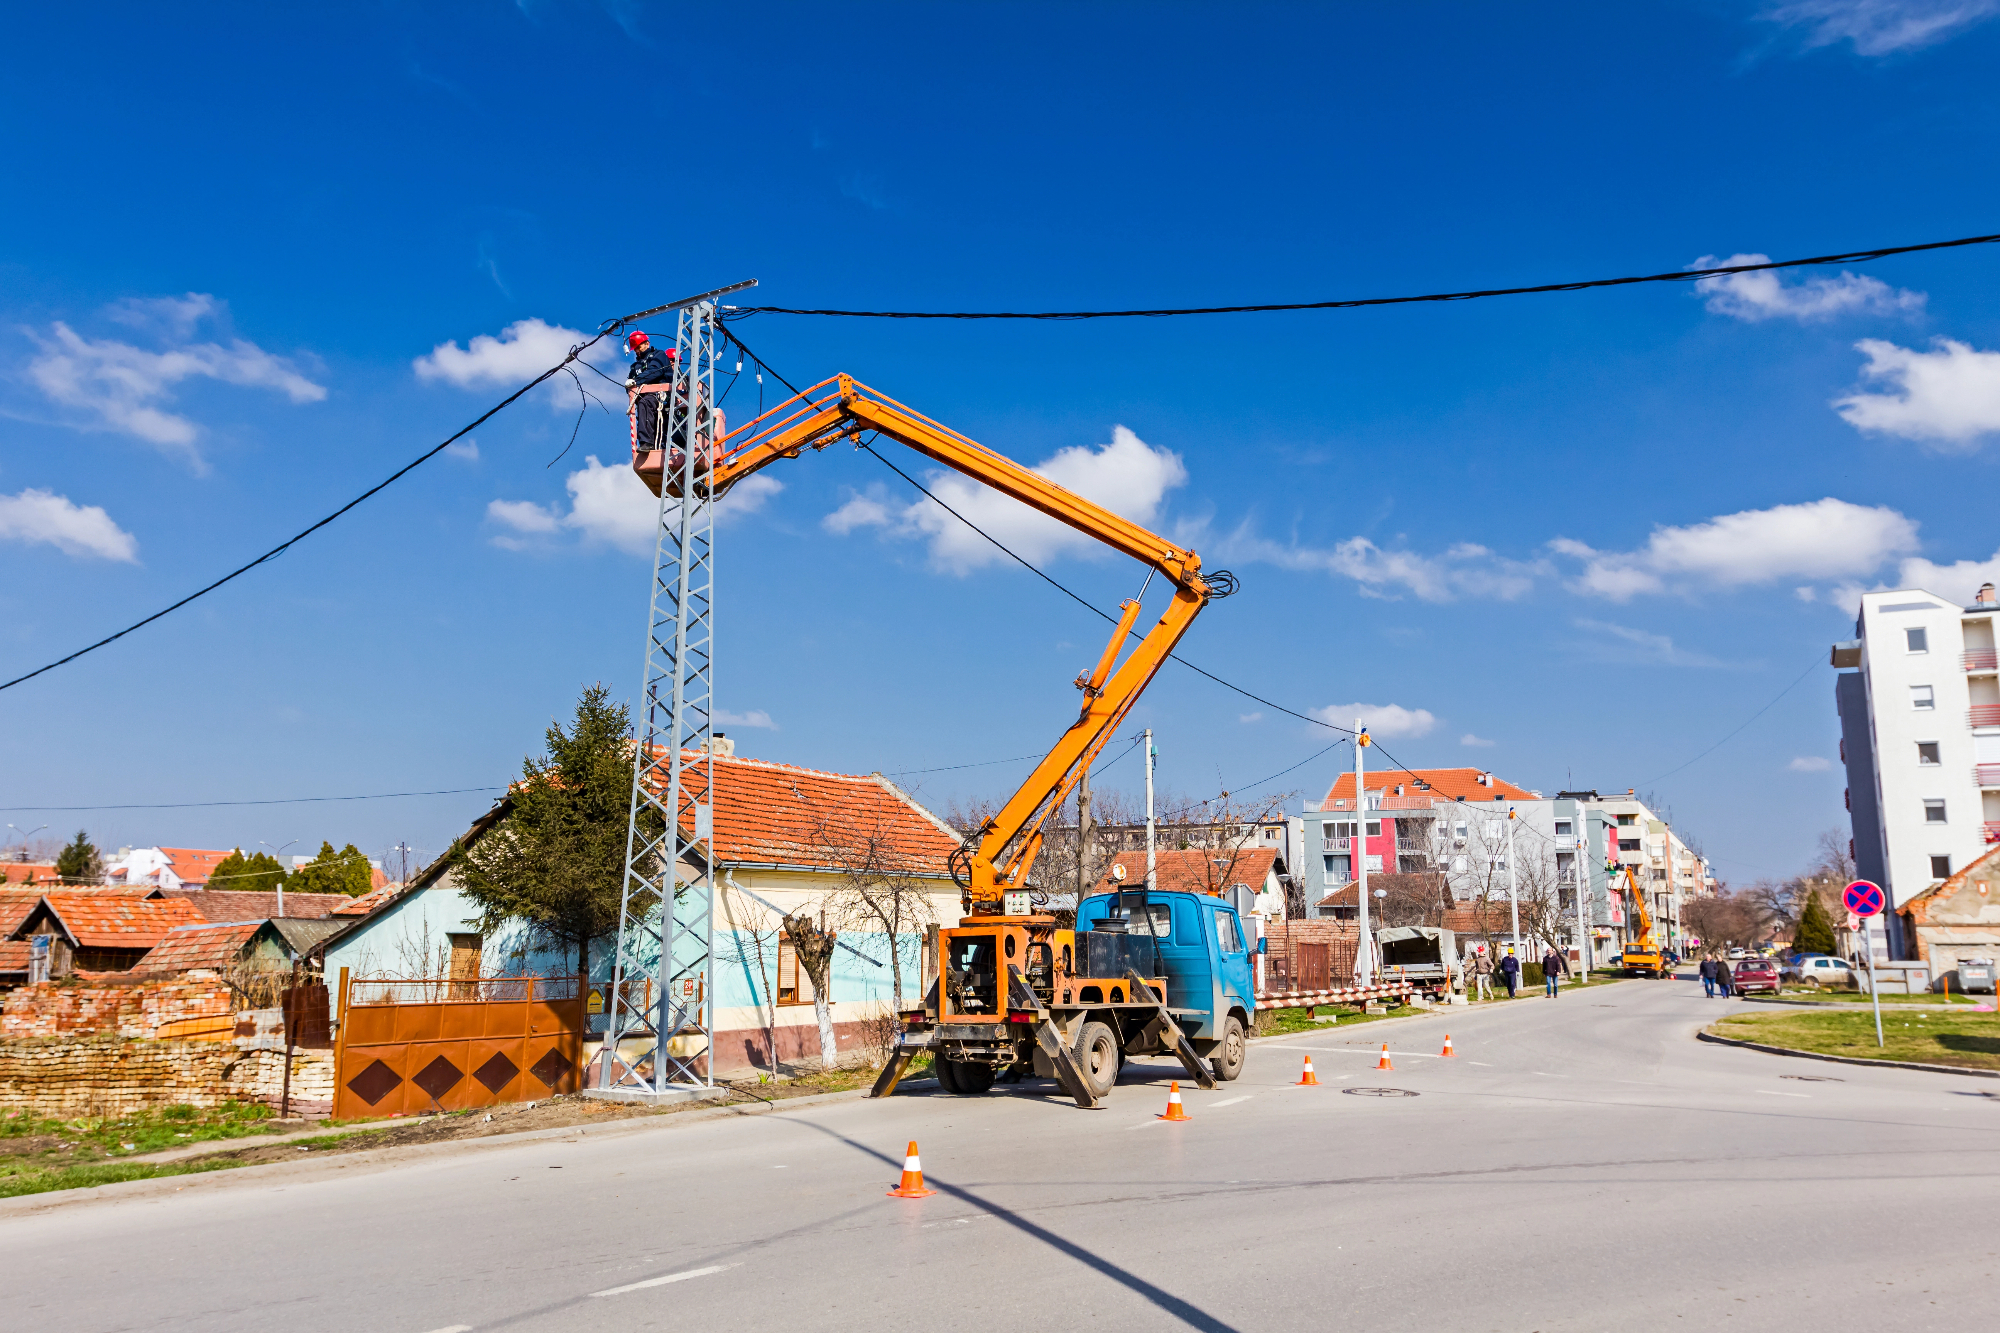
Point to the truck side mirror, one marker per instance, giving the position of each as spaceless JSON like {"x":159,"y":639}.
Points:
{"x":1263,"y":944}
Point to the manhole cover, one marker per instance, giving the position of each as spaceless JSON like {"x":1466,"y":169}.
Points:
{"x":1812,"y":1078}
{"x":1380,"y":1092}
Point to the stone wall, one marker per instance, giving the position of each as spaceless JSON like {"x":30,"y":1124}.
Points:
{"x":75,"y":1007}
{"x":106,"y":1075}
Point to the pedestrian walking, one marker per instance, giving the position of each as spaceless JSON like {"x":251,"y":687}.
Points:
{"x":1510,"y":971}
{"x":1552,"y":966}
{"x":1724,"y":978}
{"x":1707,"y":970}
{"x":1482,"y":973}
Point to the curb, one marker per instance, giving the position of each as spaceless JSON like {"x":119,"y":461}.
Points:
{"x":1845,"y":1059}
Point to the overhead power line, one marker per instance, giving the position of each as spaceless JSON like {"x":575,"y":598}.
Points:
{"x":1677,"y":275}
{"x":206,"y":805}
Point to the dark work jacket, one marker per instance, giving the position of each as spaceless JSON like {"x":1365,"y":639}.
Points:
{"x":1707,"y":969}
{"x":1722,"y":974}
{"x":651,"y":366}
{"x":1552,"y":965}
{"x":1510,"y":965}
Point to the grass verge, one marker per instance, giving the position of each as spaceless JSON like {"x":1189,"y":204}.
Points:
{"x":40,"y":1180}
{"x":1933,"y":1037}
{"x":1279,"y":1022}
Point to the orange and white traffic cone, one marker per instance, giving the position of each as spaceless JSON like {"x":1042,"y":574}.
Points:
{"x":1448,"y":1051}
{"x":1383,"y":1063}
{"x":1306,"y":1080}
{"x":913,"y":1177}
{"x":1174,"y":1111}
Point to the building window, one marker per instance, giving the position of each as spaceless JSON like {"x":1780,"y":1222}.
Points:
{"x":1562,"y":828}
{"x":1921,"y":697}
{"x":794,"y":983}
{"x":1927,"y":752}
{"x":1628,"y":844}
{"x":1374,"y":828}
{"x":1374,"y":863}
{"x":1934,"y":812}
{"x":1339,"y":869}
{"x":1627,"y":821}
{"x":1940,"y":867}
{"x":1919,"y":640}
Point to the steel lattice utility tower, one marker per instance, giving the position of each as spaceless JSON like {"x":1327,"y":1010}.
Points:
{"x":662,"y":981}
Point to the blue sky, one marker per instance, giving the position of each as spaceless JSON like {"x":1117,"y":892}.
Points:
{"x":1576,"y":538}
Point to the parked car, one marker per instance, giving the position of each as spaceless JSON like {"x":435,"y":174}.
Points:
{"x":1817,"y":969}
{"x":1754,"y":975}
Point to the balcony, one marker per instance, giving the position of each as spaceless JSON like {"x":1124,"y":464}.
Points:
{"x":1986,"y":775}
{"x":1982,"y":659}
{"x":1336,"y":844}
{"x":1984,"y":715}
{"x":1990,"y":830}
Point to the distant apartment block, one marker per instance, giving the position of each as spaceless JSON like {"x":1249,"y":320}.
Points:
{"x":1919,"y":701}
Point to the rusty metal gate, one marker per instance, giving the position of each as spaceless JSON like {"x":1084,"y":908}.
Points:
{"x":451,"y":1045}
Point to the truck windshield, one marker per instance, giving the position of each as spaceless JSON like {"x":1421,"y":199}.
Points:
{"x":1229,"y":938}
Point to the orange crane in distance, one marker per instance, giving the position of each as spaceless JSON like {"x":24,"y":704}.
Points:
{"x":1642,"y":956}
{"x":998,"y":857}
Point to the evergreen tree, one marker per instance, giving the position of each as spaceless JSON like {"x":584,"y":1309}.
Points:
{"x":79,"y":863}
{"x":237,"y":873}
{"x":556,"y":861}
{"x":345,"y":871}
{"x":1815,"y":932}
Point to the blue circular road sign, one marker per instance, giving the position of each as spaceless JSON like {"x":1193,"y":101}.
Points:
{"x":1863,"y":898}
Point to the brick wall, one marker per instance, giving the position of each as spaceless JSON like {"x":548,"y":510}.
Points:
{"x":1282,"y":964}
{"x":135,"y":1009}
{"x":110,"y":1076}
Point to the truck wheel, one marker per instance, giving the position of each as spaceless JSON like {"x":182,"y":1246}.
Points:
{"x":946,"y":1071}
{"x":1228,"y":1058}
{"x":1096,"y":1052}
{"x":973,"y":1078}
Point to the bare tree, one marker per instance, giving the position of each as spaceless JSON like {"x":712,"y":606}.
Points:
{"x":880,"y":881}
{"x":753,"y":944}
{"x":813,"y":945}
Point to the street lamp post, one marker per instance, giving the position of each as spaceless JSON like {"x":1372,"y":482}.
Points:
{"x":278,"y":855}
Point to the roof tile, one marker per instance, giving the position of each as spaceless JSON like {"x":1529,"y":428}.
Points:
{"x":1458,"y":784}
{"x":209,"y":946}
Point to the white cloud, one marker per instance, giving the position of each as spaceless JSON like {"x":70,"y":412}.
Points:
{"x":610,"y":505}
{"x":1127,"y":476}
{"x":1387,"y":721}
{"x":1949,"y":395}
{"x":1820,"y":539}
{"x":1249,"y":717}
{"x":466,"y":450}
{"x":1623,"y":643}
{"x":1881,"y":27}
{"x":124,"y":387}
{"x":1478,"y":742}
{"x":1754,"y":297}
{"x":756,"y":717}
{"x":43,"y":516}
{"x":1810,"y":763}
{"x":524,"y":349}
{"x":1463,"y":570}
{"x":1958,"y":581}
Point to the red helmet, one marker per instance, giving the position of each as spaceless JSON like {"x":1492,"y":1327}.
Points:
{"x":636,"y":338}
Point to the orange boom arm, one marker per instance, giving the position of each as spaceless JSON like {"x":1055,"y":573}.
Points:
{"x":999,"y":856}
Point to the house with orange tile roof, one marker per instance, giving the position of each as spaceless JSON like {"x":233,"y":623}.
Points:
{"x":101,"y":929}
{"x":28,"y":873}
{"x":218,"y":948}
{"x":163,"y":867}
{"x":786,"y":840}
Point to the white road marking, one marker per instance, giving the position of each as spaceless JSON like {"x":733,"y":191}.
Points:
{"x":1231,"y":1101}
{"x":663,"y":1281}
{"x":1147,"y":1125}
{"x":1769,"y":1093}
{"x":1546,"y":1074}
{"x":1481,"y":1063}
{"x":1371,"y":1050}
{"x":454,"y":1328}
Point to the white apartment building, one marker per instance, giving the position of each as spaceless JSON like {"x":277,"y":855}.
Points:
{"x":1919,"y":703}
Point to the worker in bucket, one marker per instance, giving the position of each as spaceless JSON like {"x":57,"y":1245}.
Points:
{"x":650,"y":366}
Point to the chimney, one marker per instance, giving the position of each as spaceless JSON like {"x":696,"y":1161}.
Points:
{"x":1985,"y":597}
{"x":721,"y":746}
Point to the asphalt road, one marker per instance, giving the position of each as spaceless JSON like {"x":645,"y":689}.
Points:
{"x":1582,"y":1164}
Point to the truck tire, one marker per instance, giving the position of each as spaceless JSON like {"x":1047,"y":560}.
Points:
{"x":972,"y":1077}
{"x":1227,"y":1062}
{"x":946,"y":1071}
{"x":1097,"y":1057}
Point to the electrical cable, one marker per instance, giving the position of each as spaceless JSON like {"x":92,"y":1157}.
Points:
{"x":1301,"y":764}
{"x":294,"y":540}
{"x":1678,"y":275}
{"x":208,"y":805}
{"x":1746,"y":722}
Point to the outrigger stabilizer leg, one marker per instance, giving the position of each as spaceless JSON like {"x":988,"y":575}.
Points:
{"x":1176,"y":1040}
{"x":1051,"y":1042}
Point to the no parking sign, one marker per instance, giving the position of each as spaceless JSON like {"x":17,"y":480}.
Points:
{"x":1863,"y":898}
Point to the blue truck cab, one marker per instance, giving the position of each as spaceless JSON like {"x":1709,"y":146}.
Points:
{"x":1203,"y":949}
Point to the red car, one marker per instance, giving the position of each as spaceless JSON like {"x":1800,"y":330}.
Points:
{"x":1749,"y":975}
